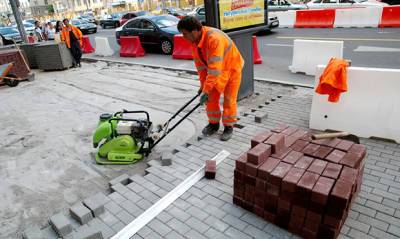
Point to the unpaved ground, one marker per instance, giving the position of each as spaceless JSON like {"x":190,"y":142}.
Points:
{"x":46,"y":153}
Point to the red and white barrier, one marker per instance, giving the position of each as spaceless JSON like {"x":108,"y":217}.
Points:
{"x":182,"y":48}
{"x":342,"y":17}
{"x":256,"y":54}
{"x":315,"y":18}
{"x":390,"y":17}
{"x":131,"y":47}
{"x":86,"y":45}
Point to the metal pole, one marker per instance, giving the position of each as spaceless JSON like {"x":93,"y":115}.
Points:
{"x":18,"y":19}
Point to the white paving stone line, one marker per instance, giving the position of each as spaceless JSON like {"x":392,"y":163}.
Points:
{"x":133,"y":227}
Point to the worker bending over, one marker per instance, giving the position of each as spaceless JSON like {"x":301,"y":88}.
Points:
{"x":219,"y":66}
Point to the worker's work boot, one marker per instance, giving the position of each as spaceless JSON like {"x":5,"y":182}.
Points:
{"x":210,"y":129}
{"x":227,"y":134}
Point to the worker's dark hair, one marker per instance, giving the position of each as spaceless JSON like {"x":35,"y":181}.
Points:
{"x":65,"y":19}
{"x":189,"y":24}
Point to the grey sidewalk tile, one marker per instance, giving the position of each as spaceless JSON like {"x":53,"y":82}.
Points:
{"x":256,"y":233}
{"x":112,"y":207}
{"x":380,"y":207}
{"x":377,"y":233}
{"x":387,"y":218}
{"x":192,"y":234}
{"x":131,"y":208}
{"x":196,"y":201}
{"x":144,"y":204}
{"x":117,"y":197}
{"x":254,"y":220}
{"x":373,"y":222}
{"x":214,"y":234}
{"x":178,"y":213}
{"x":196,"y":212}
{"x":125,"y":217}
{"x":81,"y":213}
{"x":235,"y":222}
{"x":173,"y":235}
{"x":159,"y":227}
{"x":121,"y":189}
{"x":354,"y":233}
{"x":394,"y":229}
{"x":197,"y":225}
{"x":216,"y":223}
{"x":123,"y":178}
{"x":360,"y":226}
{"x":60,"y":224}
{"x":182,"y":204}
{"x":108,"y":218}
{"x":135,"y":187}
{"x":144,"y":231}
{"x":132,"y":196}
{"x":32,"y":233}
{"x":275,"y":230}
{"x":236,"y":234}
{"x":96,"y":203}
{"x":214,"y":211}
{"x":164,"y":217}
{"x":178,"y":226}
{"x":233,"y":210}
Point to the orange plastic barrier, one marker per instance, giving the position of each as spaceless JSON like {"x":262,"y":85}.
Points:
{"x":131,"y":47}
{"x":86,"y":46}
{"x":256,"y":54}
{"x":315,"y":18}
{"x":390,"y":17}
{"x":182,"y":48}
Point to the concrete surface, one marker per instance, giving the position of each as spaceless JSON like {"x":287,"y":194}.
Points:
{"x":46,"y":152}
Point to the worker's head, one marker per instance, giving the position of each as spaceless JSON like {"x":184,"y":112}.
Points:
{"x":190,"y":28}
{"x":66,"y":22}
{"x":37,"y":24}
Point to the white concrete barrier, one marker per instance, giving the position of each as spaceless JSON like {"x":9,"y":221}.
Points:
{"x":103,"y":47}
{"x":358,"y":17}
{"x":369,"y":108}
{"x":286,"y":18}
{"x":308,"y":54}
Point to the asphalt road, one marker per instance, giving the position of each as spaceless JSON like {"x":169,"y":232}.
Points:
{"x":366,"y":47}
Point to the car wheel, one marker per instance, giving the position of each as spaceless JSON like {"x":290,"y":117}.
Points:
{"x":11,"y":82}
{"x":166,"y":47}
{"x":102,"y":26}
{"x":116,"y":25}
{"x":95,"y":30}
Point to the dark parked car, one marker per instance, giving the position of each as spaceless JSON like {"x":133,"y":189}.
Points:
{"x":84,"y":26}
{"x":153,"y":31}
{"x":130,"y":15}
{"x":8,"y":34}
{"x":87,"y":18}
{"x":111,"y":20}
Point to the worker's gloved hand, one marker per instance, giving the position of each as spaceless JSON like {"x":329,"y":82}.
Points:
{"x":199,"y":91}
{"x":203,"y":98}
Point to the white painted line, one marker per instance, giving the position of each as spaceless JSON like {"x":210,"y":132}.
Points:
{"x":342,"y":39}
{"x":148,"y":215}
{"x":375,"y":49}
{"x":286,"y":45}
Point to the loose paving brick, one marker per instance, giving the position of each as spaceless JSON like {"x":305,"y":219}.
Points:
{"x":81,"y":213}
{"x":60,"y":224}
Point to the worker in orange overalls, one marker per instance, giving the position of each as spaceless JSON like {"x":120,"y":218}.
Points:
{"x":219,"y":66}
{"x":72,"y":37}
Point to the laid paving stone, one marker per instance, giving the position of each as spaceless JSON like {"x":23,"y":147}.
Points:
{"x":86,"y":232}
{"x":123,"y":179}
{"x":60,"y":224}
{"x":81,"y":213}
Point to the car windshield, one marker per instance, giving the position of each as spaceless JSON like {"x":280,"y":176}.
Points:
{"x":116,"y":15}
{"x":6,"y":31}
{"x":76,"y":22}
{"x":166,"y":21}
{"x":142,"y":13}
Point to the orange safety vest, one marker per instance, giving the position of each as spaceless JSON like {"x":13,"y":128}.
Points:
{"x":333,"y":80}
{"x":65,"y":35}
{"x":215,"y":56}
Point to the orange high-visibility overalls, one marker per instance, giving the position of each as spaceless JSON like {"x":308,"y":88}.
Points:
{"x":219,"y":65}
{"x":66,"y":38}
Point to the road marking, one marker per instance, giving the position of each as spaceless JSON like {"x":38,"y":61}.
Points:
{"x":286,"y":45}
{"x":375,"y":49}
{"x":341,"y":39}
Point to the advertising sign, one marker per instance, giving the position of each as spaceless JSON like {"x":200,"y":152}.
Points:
{"x":238,"y":14}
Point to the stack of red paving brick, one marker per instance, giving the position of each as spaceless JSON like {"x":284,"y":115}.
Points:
{"x":303,"y":185}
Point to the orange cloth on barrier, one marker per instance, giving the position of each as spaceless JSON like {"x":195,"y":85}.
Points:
{"x":219,"y":65}
{"x":333,"y":80}
{"x":66,"y":38}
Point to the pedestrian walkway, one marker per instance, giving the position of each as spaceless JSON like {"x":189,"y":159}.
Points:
{"x":206,"y":210}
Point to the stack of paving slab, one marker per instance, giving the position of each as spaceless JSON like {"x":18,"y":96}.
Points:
{"x":305,"y":186}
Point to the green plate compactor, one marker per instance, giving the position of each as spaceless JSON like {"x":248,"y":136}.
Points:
{"x":124,"y":140}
